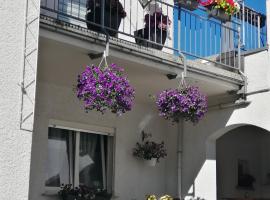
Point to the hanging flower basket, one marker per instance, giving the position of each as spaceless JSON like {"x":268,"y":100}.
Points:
{"x":187,"y":4}
{"x":188,"y":103}
{"x":222,"y":10}
{"x":104,"y":89}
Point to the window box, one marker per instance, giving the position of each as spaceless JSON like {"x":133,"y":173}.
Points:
{"x":114,"y":12}
{"x":218,"y":14}
{"x":187,"y":4}
{"x":69,"y":197}
{"x":144,"y":34}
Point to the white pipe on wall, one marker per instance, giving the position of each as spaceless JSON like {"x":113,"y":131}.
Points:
{"x":268,"y":21}
{"x":179,"y":157}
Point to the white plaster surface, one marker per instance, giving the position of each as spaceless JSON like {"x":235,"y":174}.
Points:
{"x":15,"y":148}
{"x":199,"y":141}
{"x":133,"y":180}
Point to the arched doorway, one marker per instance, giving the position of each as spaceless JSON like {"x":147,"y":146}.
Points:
{"x":243,"y":164}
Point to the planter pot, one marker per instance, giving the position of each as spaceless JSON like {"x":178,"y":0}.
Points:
{"x":112,"y":20}
{"x":219,"y":14}
{"x":144,"y":34}
{"x":187,"y":4}
{"x":151,"y":162}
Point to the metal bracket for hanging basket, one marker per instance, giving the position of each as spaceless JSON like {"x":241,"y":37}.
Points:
{"x":98,"y":55}
{"x":144,"y":3}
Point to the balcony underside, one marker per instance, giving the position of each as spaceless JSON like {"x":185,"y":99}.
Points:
{"x":64,"y":50}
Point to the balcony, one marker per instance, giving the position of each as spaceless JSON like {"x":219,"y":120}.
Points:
{"x":213,"y":49}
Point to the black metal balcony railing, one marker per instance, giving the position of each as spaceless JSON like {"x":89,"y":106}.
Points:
{"x":175,"y":30}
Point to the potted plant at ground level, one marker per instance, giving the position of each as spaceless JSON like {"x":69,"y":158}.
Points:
{"x":222,"y":10}
{"x":187,"y":103}
{"x":114,"y":13}
{"x":164,"y":197}
{"x":187,"y":4}
{"x":149,"y":151}
{"x":67,"y":192}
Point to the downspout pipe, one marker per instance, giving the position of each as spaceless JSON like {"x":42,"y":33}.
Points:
{"x":180,"y":136}
{"x":179,"y":158}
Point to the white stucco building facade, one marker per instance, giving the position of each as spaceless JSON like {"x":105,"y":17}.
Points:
{"x":39,"y":64}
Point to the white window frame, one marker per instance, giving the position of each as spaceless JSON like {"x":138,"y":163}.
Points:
{"x":91,"y":129}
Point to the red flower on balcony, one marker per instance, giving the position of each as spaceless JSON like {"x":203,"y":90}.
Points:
{"x":229,"y":6}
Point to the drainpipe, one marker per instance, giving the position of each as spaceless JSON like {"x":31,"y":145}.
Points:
{"x":179,"y":158}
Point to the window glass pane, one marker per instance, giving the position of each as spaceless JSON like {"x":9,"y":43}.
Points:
{"x":59,"y":161}
{"x":90,"y":161}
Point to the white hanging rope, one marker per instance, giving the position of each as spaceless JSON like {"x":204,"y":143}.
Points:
{"x":104,"y":59}
{"x":182,"y":82}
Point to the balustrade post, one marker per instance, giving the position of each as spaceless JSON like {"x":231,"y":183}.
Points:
{"x":239,"y":46}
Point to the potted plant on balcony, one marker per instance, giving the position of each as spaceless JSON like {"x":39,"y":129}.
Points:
{"x":187,"y":4}
{"x":149,"y":151}
{"x":222,"y":10}
{"x":114,"y":13}
{"x":187,"y":103}
{"x":156,"y":29}
{"x":105,"y":88}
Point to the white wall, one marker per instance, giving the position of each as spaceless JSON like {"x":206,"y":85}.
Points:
{"x":15,"y":148}
{"x":199,"y":153}
{"x":133,"y":180}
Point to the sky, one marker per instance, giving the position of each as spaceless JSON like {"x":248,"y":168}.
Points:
{"x":258,"y":5}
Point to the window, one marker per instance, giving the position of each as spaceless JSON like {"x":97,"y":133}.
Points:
{"x":79,"y":158}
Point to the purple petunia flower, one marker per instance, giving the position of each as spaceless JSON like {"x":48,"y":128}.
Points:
{"x":188,"y":103}
{"x":104,"y":89}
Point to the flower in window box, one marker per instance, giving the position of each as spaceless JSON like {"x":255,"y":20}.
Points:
{"x":105,"y":88}
{"x":83,"y":192}
{"x":188,"y":103}
{"x":221,"y":9}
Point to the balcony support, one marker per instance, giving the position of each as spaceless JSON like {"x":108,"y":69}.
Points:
{"x":183,"y":75}
{"x":98,"y":55}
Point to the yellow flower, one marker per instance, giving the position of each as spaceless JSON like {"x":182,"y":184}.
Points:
{"x":151,"y":197}
{"x":166,"y":197}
